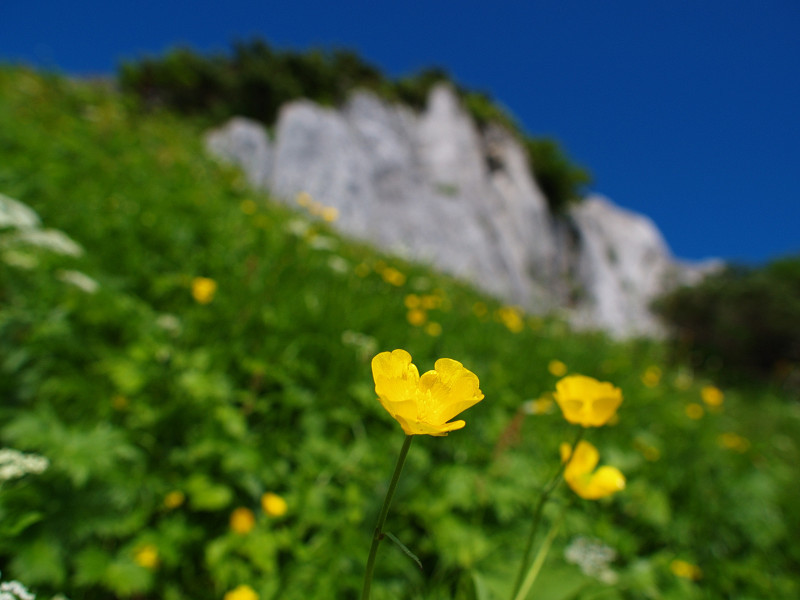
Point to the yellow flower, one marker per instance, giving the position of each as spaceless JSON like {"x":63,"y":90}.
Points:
{"x":479,"y":309}
{"x":203,"y":289}
{"x":540,"y":405}
{"x":581,"y":476}
{"x":417,"y":316}
{"x":242,"y":520}
{"x":694,"y":411}
{"x":681,"y":568}
{"x":174,"y":499}
{"x":393,"y":276}
{"x":651,"y":376}
{"x":242,"y":592}
{"x":146,"y":556}
{"x":586,"y":401}
{"x":557,"y":368}
{"x":423,"y":405}
{"x":511,"y":318}
{"x":712,"y":395}
{"x":433,"y":329}
{"x":330,"y":213}
{"x":412,"y":301}
{"x":248,"y":207}
{"x":733,"y":441}
{"x":273,"y":505}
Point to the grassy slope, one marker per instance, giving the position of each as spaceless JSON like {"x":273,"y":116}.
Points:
{"x":268,"y":388}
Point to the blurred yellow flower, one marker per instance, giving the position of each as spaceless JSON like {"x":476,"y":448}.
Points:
{"x":511,"y":317}
{"x":479,"y":309}
{"x":651,"y":376}
{"x":393,"y":276}
{"x":586,"y":401}
{"x":330,"y":213}
{"x":203,"y":289}
{"x":694,"y":411}
{"x":273,"y":505}
{"x":304,"y":199}
{"x":557,"y":368}
{"x":174,"y":499}
{"x":681,"y":568}
{"x":424,"y":405}
{"x":581,"y":476}
{"x":416,"y":316}
{"x":431,"y":301}
{"x":433,"y":329}
{"x":242,"y":520}
{"x":362,"y":269}
{"x":242,"y":592}
{"x":540,"y":406}
{"x":712,"y":395}
{"x":248,"y":207}
{"x":412,"y":301}
{"x":146,"y":556}
{"x":733,"y":441}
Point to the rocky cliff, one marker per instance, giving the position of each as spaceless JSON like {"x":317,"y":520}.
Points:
{"x":433,"y":187}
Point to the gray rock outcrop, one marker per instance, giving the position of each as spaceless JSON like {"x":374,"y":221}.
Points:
{"x":434,"y":188}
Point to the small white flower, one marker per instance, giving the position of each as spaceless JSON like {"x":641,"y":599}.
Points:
{"x":79,"y":280}
{"x":15,"y":464}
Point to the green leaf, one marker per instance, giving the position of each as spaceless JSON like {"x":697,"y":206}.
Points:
{"x":404,"y":548}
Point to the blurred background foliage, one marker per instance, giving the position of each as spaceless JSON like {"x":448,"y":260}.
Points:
{"x":741,"y":323}
{"x":254,"y":80}
{"x":167,"y":407}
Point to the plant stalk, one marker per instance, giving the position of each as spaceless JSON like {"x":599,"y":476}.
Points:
{"x":378,"y":535}
{"x":537,"y":514}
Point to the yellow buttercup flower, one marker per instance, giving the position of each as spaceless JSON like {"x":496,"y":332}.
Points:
{"x":581,"y":476}
{"x":203,"y":289}
{"x":242,"y":520}
{"x":681,"y":568}
{"x":424,"y":405}
{"x":274,"y":505}
{"x":557,"y":368}
{"x":146,"y":556}
{"x":586,"y":401}
{"x":174,"y":499}
{"x":242,"y":592}
{"x":712,"y":395}
{"x":694,"y":411}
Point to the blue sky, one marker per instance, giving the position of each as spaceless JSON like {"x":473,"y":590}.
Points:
{"x":688,"y":112}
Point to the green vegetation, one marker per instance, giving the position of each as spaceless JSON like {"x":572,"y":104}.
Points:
{"x":741,"y":322}
{"x":255,"y":80}
{"x":164,"y":416}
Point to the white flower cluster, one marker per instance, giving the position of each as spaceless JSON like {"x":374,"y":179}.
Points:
{"x":593,"y":557}
{"x":14,"y":464}
{"x":14,"y":590}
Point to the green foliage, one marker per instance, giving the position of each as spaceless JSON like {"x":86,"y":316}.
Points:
{"x":741,"y":321}
{"x":255,"y":81}
{"x":562,"y":182}
{"x":162,"y":415}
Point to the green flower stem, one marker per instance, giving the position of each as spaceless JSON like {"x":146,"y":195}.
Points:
{"x":379,"y":535}
{"x":537,"y":514}
{"x":533,"y":572}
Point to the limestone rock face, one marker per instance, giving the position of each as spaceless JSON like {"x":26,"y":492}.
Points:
{"x":434,"y":188}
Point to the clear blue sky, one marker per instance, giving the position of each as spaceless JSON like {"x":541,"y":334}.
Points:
{"x":686,"y":111}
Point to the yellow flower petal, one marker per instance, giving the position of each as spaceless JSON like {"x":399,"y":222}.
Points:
{"x":581,"y":476}
{"x":587,"y":402}
{"x":423,"y":405}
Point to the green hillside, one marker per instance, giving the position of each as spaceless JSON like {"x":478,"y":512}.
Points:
{"x":224,"y":354}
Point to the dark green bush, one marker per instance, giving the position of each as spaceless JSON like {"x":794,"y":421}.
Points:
{"x":742,"y":321}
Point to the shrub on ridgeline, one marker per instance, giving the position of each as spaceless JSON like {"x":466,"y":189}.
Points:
{"x":741,"y":320}
{"x":255,"y":80}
